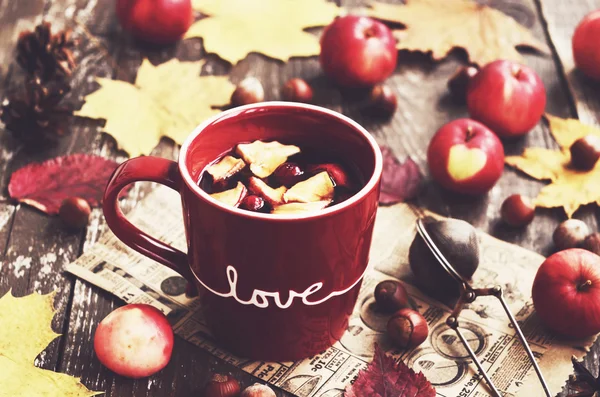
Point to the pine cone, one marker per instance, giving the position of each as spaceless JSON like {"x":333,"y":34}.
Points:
{"x":46,"y":56}
{"x":36,"y":116}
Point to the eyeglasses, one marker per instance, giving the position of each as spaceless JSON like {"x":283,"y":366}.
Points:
{"x":468,"y":294}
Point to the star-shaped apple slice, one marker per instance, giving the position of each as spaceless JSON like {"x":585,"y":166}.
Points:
{"x":260,"y":188}
{"x":265,"y":157}
{"x":225,"y":168}
{"x":232,"y":197}
{"x":317,"y":188}
{"x":300,"y":208}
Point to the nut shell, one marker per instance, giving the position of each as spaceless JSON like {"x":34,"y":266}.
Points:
{"x":249,"y":90}
{"x":382,"y":101}
{"x":407,"y":328}
{"x":458,"y":83}
{"x":570,"y":234}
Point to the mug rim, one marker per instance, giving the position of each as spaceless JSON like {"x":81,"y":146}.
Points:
{"x":337,"y":208}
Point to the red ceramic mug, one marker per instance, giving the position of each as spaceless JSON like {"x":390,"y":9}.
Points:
{"x":273,"y":287}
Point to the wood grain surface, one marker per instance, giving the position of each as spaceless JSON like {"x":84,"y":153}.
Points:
{"x":34,"y":248}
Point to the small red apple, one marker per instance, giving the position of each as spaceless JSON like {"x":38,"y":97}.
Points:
{"x":507,"y":97}
{"x":358,"y":51}
{"x":466,"y":157}
{"x":155,"y":21}
{"x":134,"y":341}
{"x":586,"y":50}
{"x":566,"y":293}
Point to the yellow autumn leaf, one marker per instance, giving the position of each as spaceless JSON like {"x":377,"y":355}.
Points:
{"x":569,"y":188}
{"x":25,"y":332}
{"x":275,"y":28}
{"x":168,"y":100}
{"x":439,"y":26}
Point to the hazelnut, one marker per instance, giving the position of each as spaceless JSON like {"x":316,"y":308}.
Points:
{"x":585,"y":152}
{"x":75,"y":212}
{"x":248,"y":91}
{"x":288,"y":174}
{"x":253,"y":203}
{"x":391,"y":296}
{"x":297,"y":90}
{"x":517,"y":210}
{"x":570,"y":234}
{"x":592,"y":243}
{"x":222,"y":386}
{"x":258,"y":390}
{"x":382,"y":101}
{"x":407,"y":329}
{"x":458,"y":83}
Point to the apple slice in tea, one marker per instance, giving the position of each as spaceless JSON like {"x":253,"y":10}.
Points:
{"x":300,"y":208}
{"x":316,"y":188}
{"x":227,"y":167}
{"x":265,"y":157}
{"x":260,"y":188}
{"x":232,"y":197}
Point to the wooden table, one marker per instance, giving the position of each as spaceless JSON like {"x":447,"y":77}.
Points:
{"x":34,"y":248}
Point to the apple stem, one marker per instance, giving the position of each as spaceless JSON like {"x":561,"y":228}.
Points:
{"x":369,"y":33}
{"x":470,"y":133}
{"x":585,"y":285}
{"x":516,"y":71}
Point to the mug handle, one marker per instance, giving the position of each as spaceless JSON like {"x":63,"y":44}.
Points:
{"x":150,"y":169}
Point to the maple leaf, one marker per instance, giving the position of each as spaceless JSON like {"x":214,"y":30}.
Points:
{"x":169,"y":100}
{"x":399,"y":181}
{"x":569,"y":188}
{"x":235,"y":28}
{"x":45,"y":185}
{"x":386,"y":378}
{"x":438,"y":27}
{"x":25,"y":332}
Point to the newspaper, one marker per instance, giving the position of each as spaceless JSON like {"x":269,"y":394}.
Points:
{"x":134,"y":278}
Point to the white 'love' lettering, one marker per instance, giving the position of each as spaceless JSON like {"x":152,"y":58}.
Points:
{"x":260,"y":299}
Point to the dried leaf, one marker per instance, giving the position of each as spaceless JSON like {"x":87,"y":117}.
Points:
{"x":438,"y":27}
{"x":25,"y":332}
{"x":235,"y":28}
{"x":386,"y":378}
{"x":45,"y":185}
{"x":399,"y":181}
{"x":166,"y":100}
{"x":569,"y":188}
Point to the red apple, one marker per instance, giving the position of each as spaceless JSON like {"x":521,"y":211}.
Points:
{"x":466,"y":157}
{"x":155,"y":21}
{"x":134,"y":341}
{"x":507,"y":97}
{"x":586,"y":50}
{"x":358,"y":51}
{"x":566,"y":293}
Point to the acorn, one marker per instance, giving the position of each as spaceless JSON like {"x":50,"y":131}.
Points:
{"x":407,"y":329}
{"x":457,"y":240}
{"x":391,"y":296}
{"x":248,"y":91}
{"x":570,"y":234}
{"x":382,"y":101}
{"x":258,"y":390}
{"x":222,"y":385}
{"x":592,"y":243}
{"x":585,"y":152}
{"x":458,"y":83}
{"x":517,"y":210}
{"x":297,"y":90}
{"x":74,"y":212}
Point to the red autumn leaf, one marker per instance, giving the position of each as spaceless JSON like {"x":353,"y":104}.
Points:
{"x":399,"y":181}
{"x":45,"y":185}
{"x":386,"y":378}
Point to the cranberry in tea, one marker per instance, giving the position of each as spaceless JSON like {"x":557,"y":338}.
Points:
{"x":272,"y":177}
